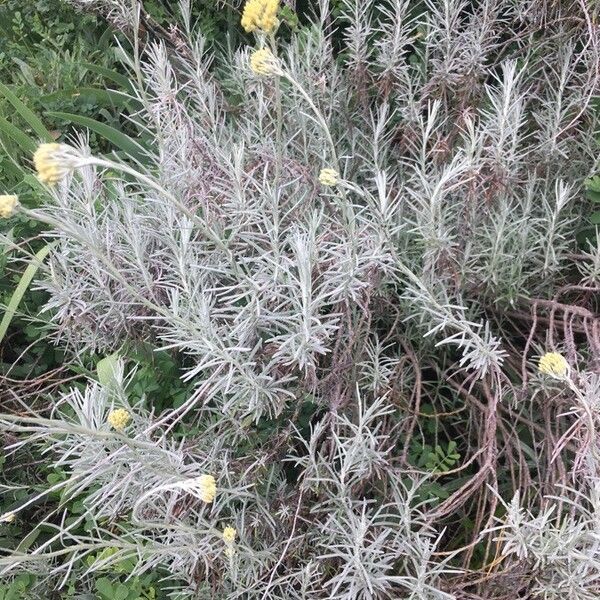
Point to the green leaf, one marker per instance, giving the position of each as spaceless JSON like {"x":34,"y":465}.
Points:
{"x":95,"y":96}
{"x":593,"y":184}
{"x":18,"y":136}
{"x":27,"y":114}
{"x":109,"y":74}
{"x":595,"y":218}
{"x":27,"y":71}
{"x":104,"y":588}
{"x":116,"y":137}
{"x":121,"y":592}
{"x":107,"y":369}
{"x":21,"y":288}
{"x":28,"y":540}
{"x":593,"y":195}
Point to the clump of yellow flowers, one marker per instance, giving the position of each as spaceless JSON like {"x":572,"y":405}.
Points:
{"x":329,"y":177}
{"x":261,"y":15}
{"x":8,"y":205}
{"x":119,"y":419}
{"x":207,"y":486}
{"x":53,"y":162}
{"x":554,"y":364}
{"x":229,"y":534}
{"x":263,"y":62}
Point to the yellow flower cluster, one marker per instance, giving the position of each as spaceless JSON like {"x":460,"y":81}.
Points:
{"x":229,"y":534}
{"x":263,"y":62}
{"x":119,"y":419}
{"x":329,"y":177}
{"x":261,"y":15}
{"x":554,"y":364}
{"x":207,"y":487}
{"x":52,"y":162}
{"x":8,"y":204}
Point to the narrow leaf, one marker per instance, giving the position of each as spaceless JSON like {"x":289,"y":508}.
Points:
{"x":18,"y":136}
{"x":116,"y":137}
{"x":109,"y":74}
{"x":21,"y":288}
{"x":27,"y":114}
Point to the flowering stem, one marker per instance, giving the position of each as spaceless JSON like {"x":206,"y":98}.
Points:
{"x":346,"y":206}
{"x":279,"y":111}
{"x":319,"y":117}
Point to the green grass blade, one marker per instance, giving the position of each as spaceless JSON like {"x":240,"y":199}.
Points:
{"x":116,"y":137}
{"x":27,"y":114}
{"x":90,"y":95}
{"x":18,"y":136}
{"x":109,"y":74}
{"x":21,"y":288}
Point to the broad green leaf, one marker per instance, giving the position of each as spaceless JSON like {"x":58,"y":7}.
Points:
{"x":116,"y":137}
{"x":593,"y":195}
{"x":121,"y":592}
{"x":21,"y":288}
{"x":12,"y":171}
{"x":33,"y":121}
{"x":593,"y":183}
{"x":106,"y":38}
{"x":106,"y":370}
{"x":105,"y":588}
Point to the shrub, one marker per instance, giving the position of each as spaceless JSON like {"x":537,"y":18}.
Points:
{"x":358,"y":254}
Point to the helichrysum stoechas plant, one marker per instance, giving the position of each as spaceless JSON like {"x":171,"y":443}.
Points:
{"x":338,"y":334}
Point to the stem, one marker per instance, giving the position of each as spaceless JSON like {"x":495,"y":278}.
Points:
{"x":346,"y":206}
{"x":279,"y":124}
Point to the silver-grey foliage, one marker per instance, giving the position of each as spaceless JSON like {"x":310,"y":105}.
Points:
{"x":461,"y":133}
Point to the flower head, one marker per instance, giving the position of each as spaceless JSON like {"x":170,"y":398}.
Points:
{"x":207,"y":488}
{"x":229,"y":534}
{"x":261,"y":15}
{"x":53,"y":162}
{"x":263,"y":62}
{"x":8,"y":204}
{"x":119,"y":419}
{"x":329,"y":177}
{"x":9,"y":517}
{"x":554,"y":364}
